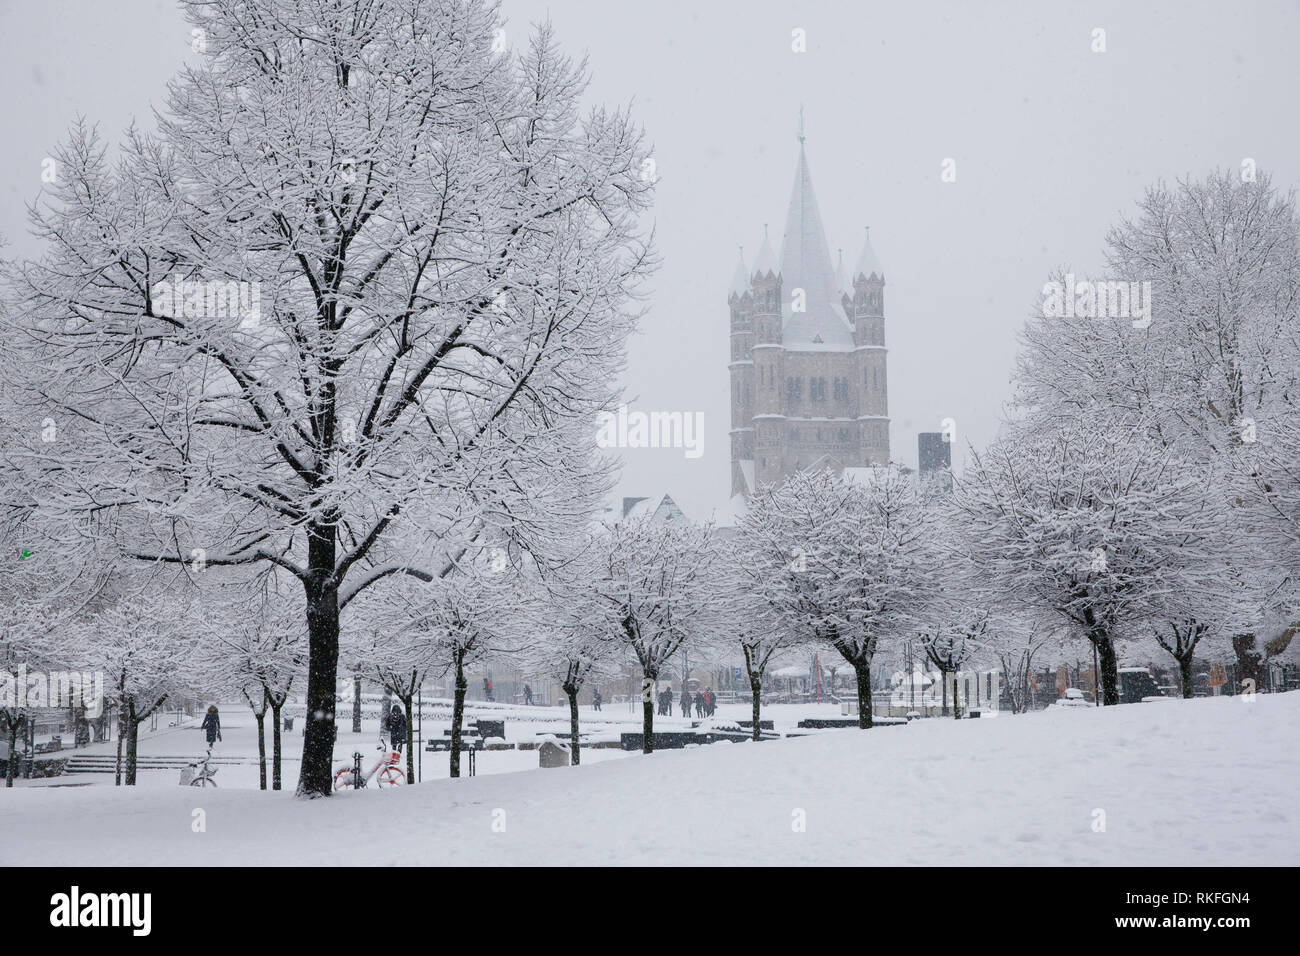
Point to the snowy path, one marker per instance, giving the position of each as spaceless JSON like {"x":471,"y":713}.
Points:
{"x":1207,"y":782}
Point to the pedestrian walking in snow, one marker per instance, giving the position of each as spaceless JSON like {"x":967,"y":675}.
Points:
{"x":397,"y":728}
{"x":686,"y":702}
{"x":528,"y":695}
{"x":212,"y":724}
{"x":595,"y":698}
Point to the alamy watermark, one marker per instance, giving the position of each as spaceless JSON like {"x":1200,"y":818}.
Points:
{"x":624,"y":429}
{"x":1101,"y":299}
{"x":179,"y":297}
{"x":21,"y":688}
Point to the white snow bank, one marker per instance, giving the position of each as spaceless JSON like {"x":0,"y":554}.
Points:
{"x":1207,"y":782}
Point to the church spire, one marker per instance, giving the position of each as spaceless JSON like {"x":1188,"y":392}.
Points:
{"x":806,"y":265}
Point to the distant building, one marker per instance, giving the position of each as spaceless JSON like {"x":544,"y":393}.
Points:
{"x":933,"y":453}
{"x":664,"y":510}
{"x":808,"y":382}
{"x":934,"y":459}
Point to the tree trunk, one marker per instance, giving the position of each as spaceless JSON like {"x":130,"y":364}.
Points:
{"x":261,"y":748}
{"x":862,"y":670}
{"x":756,"y":687}
{"x":275,"y":743}
{"x":571,"y":690}
{"x":1249,"y":663}
{"x":132,"y":745}
{"x":408,"y":702}
{"x":1109,"y":669}
{"x":648,"y":712}
{"x":1185,"y":674}
{"x":121,"y":732}
{"x":315,"y":778}
{"x":956,"y":708}
{"x":13,"y":753}
{"x":457,"y":712}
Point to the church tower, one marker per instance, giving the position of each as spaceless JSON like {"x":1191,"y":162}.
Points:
{"x":808,"y":371}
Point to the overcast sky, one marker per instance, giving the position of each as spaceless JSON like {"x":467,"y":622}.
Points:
{"x":1052,"y":144}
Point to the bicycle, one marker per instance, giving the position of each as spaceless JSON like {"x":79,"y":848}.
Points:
{"x":200,"y":773}
{"x":388,"y":768}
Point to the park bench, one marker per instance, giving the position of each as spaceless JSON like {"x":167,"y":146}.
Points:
{"x":469,"y":740}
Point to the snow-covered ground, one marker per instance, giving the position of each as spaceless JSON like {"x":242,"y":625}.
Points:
{"x":1205,"y":782}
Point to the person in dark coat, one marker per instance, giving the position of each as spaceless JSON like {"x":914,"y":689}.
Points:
{"x":668,"y":701}
{"x":710,"y":702}
{"x":212,"y":724}
{"x":528,"y":695}
{"x":686,"y":702}
{"x":595,"y":698}
{"x":397,"y":728}
{"x":699,"y":704}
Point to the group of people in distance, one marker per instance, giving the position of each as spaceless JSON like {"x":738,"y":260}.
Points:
{"x":704,"y":702}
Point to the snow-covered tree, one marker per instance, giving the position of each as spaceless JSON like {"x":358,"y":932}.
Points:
{"x":577,"y":631}
{"x":1213,"y":370}
{"x":398,"y":659}
{"x":953,"y":639}
{"x":145,"y":641}
{"x":764,"y":628}
{"x":657,"y":578}
{"x":845,"y":563}
{"x":368,"y":264}
{"x":259,"y":652}
{"x":1107,"y":530}
{"x":1015,"y":642}
{"x":447,"y":625}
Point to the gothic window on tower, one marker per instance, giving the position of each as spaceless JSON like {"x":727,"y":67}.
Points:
{"x":875,"y":379}
{"x":841,"y":389}
{"x":793,"y":389}
{"x":817,"y":389}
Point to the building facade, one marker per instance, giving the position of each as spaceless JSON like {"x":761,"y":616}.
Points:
{"x":808,"y":360}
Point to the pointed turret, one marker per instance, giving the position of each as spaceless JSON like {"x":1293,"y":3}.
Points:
{"x":739,"y":279}
{"x":765,"y":265}
{"x":868,"y":265}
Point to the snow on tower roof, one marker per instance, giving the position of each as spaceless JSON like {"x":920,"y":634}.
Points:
{"x":740,"y":280}
{"x":665,"y":509}
{"x":766,"y":261}
{"x":867,"y":264}
{"x":806,"y":264}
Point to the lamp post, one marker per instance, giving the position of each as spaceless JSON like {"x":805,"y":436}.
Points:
{"x":356,"y":700}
